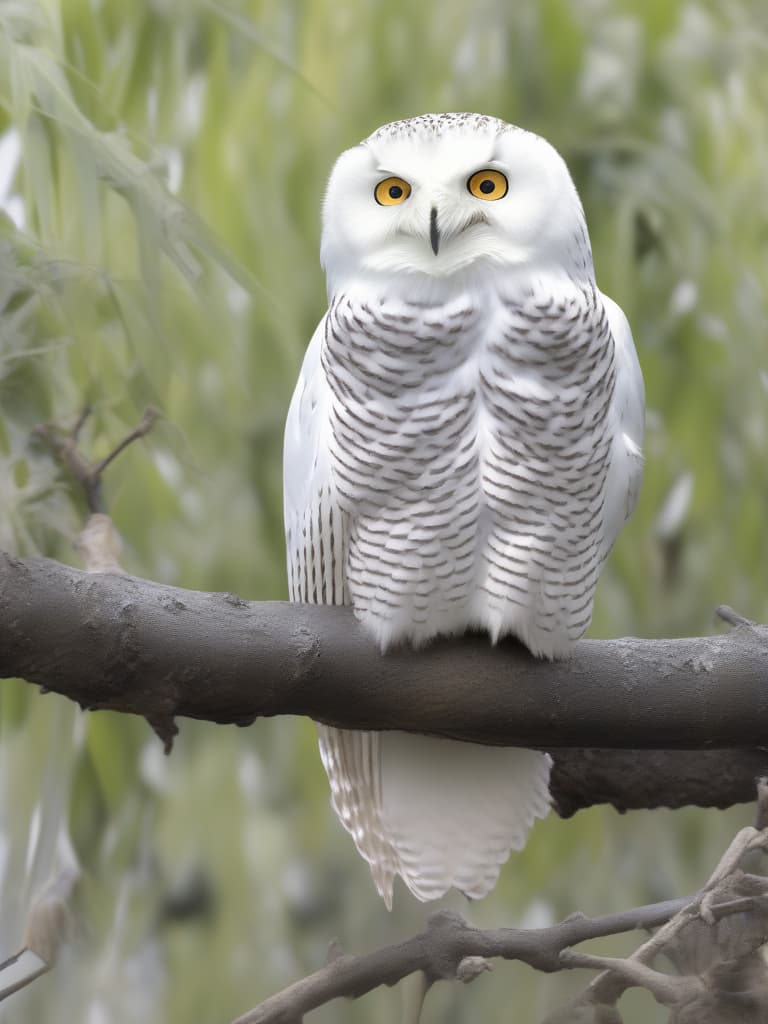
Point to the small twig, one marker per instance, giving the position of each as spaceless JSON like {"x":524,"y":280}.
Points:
{"x":740,"y":905}
{"x":733,"y":618}
{"x":413,"y":992}
{"x":708,"y":905}
{"x":144,"y":427}
{"x":65,"y":445}
{"x":80,"y":423}
{"x":47,"y":929}
{"x":20,"y":970}
{"x":761,"y":814}
{"x":667,"y":989}
{"x":741,"y":844}
{"x":99,"y":542}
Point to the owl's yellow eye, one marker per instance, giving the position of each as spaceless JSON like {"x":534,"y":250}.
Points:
{"x":488,"y":184}
{"x":391,"y":191}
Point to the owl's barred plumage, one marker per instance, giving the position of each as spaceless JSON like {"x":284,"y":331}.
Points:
{"x":462,"y":449}
{"x":445,"y":532}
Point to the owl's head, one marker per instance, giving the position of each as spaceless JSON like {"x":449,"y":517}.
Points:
{"x":443,"y":194}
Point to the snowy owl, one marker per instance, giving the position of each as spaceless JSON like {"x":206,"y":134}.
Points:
{"x":462,"y":448}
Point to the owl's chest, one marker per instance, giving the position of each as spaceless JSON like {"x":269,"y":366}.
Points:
{"x":426,"y":393}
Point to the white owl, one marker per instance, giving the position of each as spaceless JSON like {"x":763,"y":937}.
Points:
{"x":461,"y":451}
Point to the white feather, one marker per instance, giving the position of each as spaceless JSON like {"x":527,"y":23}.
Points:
{"x":439,"y":813}
{"x":628,"y":423}
{"x":461,"y":451}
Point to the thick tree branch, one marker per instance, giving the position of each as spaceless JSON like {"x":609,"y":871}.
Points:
{"x":118,"y":642}
{"x":114,"y":641}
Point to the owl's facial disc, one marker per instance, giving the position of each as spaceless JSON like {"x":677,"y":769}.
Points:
{"x":458,"y":201}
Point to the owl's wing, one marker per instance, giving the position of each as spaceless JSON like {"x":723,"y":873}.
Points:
{"x":314,"y":527}
{"x":628,"y":421}
{"x":316,"y":531}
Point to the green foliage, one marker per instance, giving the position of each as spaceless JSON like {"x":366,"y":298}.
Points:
{"x":159,"y":246}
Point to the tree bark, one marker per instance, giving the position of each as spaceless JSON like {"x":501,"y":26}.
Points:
{"x":632,"y":722}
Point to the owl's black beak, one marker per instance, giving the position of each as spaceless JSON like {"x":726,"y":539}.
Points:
{"x":434,"y":230}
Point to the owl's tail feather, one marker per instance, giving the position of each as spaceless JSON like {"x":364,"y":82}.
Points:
{"x":440,"y":813}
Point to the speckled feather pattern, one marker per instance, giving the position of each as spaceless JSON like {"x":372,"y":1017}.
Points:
{"x":470,"y":448}
{"x":431,"y":126}
{"x":461,"y":452}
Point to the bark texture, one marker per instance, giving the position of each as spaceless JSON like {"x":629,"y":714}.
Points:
{"x":631,"y":722}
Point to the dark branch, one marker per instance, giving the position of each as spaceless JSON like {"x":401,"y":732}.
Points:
{"x":144,"y":427}
{"x":439,"y":950}
{"x":711,"y":938}
{"x":632,"y":779}
{"x":113,"y":641}
{"x":713,"y":944}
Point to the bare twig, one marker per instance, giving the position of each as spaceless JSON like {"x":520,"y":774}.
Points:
{"x":99,"y":542}
{"x":48,"y":927}
{"x":65,"y":445}
{"x":667,"y":989}
{"x":761,"y":814}
{"x":733,"y":618}
{"x":441,"y":950}
{"x":80,"y":422}
{"x":413,"y":993}
{"x":144,"y":427}
{"x":727,"y":892}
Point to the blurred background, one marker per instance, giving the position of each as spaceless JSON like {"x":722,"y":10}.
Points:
{"x":162,"y":165}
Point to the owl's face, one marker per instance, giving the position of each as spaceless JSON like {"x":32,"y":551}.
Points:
{"x":450,"y":193}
